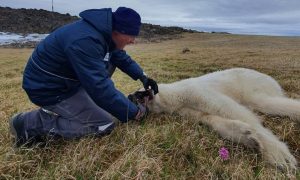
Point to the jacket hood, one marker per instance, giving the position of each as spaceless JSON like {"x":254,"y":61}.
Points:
{"x":101,"y":19}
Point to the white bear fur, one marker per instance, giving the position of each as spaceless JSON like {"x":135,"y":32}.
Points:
{"x":223,"y":100}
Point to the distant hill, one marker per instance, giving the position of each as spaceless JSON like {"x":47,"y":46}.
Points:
{"x":42,"y":21}
{"x":31,"y":20}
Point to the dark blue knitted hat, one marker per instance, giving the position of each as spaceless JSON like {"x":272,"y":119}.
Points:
{"x":126,"y":21}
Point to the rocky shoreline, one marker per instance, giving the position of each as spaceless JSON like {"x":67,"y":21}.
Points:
{"x":26,"y":21}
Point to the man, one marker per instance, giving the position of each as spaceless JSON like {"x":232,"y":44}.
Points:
{"x":68,"y":77}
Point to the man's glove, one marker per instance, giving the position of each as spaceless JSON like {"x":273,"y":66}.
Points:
{"x":142,"y":112}
{"x":148,"y":82}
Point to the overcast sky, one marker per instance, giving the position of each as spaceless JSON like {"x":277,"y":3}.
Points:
{"x":266,"y":17}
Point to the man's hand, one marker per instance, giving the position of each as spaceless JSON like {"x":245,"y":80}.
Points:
{"x":148,"y":82}
{"x":141,"y":99}
{"x":142,"y":112}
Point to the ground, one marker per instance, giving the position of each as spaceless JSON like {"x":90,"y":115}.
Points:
{"x":163,"y":146}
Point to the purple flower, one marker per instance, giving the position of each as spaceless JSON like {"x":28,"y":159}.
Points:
{"x":224,"y":153}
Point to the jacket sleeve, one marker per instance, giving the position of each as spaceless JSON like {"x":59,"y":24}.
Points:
{"x":86,"y":57}
{"x":120,"y":59}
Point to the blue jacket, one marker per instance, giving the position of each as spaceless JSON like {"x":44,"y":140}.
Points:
{"x":73,"y":56}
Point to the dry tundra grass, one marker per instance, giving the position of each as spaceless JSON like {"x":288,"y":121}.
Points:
{"x":163,"y":146}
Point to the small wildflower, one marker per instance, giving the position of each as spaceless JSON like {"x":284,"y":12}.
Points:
{"x":224,"y":153}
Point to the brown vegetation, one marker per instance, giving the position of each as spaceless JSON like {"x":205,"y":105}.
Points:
{"x":163,"y":146}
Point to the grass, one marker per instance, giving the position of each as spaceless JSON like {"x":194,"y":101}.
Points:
{"x":163,"y":146}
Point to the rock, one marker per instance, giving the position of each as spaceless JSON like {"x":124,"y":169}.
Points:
{"x":27,"y":21}
{"x":186,"y":50}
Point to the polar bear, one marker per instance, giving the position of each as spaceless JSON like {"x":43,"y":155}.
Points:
{"x":224,"y":100}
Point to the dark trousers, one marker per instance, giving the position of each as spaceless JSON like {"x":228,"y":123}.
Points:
{"x":74,"y":117}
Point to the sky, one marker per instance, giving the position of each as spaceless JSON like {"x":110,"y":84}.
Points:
{"x":261,"y":17}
